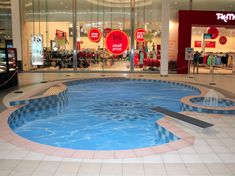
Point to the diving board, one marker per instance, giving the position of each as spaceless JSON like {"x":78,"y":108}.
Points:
{"x":182,"y":117}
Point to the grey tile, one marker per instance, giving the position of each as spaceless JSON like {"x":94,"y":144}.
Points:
{"x":218,"y":169}
{"x":197,"y":169}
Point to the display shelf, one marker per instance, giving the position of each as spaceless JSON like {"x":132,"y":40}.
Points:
{"x":8,"y":68}
{"x":12,"y":63}
{"x":3,"y":61}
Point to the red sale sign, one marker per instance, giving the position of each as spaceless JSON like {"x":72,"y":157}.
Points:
{"x":208,"y":44}
{"x":223,"y":40}
{"x":197,"y":44}
{"x":214,"y":31}
{"x":139,"y":35}
{"x":117,"y":42}
{"x":94,"y":35}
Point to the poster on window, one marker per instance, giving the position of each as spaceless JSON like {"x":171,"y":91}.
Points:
{"x":188,"y":53}
{"x":37,"y":50}
{"x":117,"y":42}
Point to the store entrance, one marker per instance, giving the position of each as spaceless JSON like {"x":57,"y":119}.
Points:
{"x":215,"y":49}
{"x":193,"y":23}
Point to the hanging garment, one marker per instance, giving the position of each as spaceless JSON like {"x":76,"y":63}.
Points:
{"x":208,"y":60}
{"x":218,"y":58}
{"x":205,"y":59}
{"x":141,"y":57}
{"x":230,"y":61}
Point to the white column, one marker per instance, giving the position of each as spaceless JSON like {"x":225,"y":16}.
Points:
{"x":16,"y":29}
{"x":165,"y":37}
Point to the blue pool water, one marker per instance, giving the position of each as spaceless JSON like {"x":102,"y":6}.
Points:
{"x":107,"y":115}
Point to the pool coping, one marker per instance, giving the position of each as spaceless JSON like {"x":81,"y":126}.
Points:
{"x":8,"y":135}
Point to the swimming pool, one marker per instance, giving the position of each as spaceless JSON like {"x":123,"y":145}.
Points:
{"x":106,"y":115}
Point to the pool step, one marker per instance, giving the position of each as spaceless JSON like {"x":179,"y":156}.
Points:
{"x":182,"y":117}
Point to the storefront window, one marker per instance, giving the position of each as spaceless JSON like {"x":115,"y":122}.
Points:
{"x":48,"y":21}
{"x":53,"y":21}
{"x":5,"y":24}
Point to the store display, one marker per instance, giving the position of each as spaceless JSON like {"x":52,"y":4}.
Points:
{"x":8,"y":59}
{"x":3,"y":60}
{"x":12,"y":62}
{"x":8,"y":68}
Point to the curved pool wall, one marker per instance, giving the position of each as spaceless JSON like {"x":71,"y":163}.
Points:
{"x":41,"y":104}
{"x":54,"y":101}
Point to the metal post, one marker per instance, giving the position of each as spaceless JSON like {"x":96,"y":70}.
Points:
{"x":132,"y":35}
{"x":190,"y":4}
{"x":75,"y":35}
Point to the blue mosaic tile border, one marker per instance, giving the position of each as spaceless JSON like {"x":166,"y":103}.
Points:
{"x":114,"y":79}
{"x":37,"y":106}
{"x":164,"y":134}
{"x":201,"y":109}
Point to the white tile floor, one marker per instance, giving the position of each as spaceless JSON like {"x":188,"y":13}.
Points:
{"x":213,"y":153}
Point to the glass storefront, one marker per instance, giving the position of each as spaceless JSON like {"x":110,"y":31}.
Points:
{"x":5,"y":24}
{"x":53,"y":20}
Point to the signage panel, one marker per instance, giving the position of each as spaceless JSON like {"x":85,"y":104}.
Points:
{"x":37,"y":50}
{"x":117,"y":42}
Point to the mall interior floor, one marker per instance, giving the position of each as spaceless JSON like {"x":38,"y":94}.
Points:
{"x":213,"y":152}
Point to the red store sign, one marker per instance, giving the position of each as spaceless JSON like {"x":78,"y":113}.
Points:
{"x":213,"y":31}
{"x":223,"y":40}
{"x":117,"y":42}
{"x":208,"y":44}
{"x":139,"y":35}
{"x":94,"y":35}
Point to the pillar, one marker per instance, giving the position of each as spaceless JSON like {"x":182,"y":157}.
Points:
{"x":75,"y":35}
{"x":132,"y":35}
{"x":165,"y":37}
{"x":16,"y":30}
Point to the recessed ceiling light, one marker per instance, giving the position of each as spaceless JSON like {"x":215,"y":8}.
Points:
{"x":61,"y":3}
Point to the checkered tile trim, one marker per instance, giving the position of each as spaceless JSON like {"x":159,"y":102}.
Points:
{"x":164,"y":134}
{"x":201,"y":109}
{"x":75,"y":82}
{"x":37,"y":106}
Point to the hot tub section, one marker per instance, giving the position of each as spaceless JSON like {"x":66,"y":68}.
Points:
{"x":196,"y":104}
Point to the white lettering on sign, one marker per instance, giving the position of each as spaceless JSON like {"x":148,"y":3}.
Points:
{"x":225,"y":17}
{"x":117,"y":47}
{"x":140,"y":35}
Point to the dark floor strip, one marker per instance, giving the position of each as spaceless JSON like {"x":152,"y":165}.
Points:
{"x":185,"y":118}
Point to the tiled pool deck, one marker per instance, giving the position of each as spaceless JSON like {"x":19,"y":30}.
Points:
{"x":212,"y":153}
